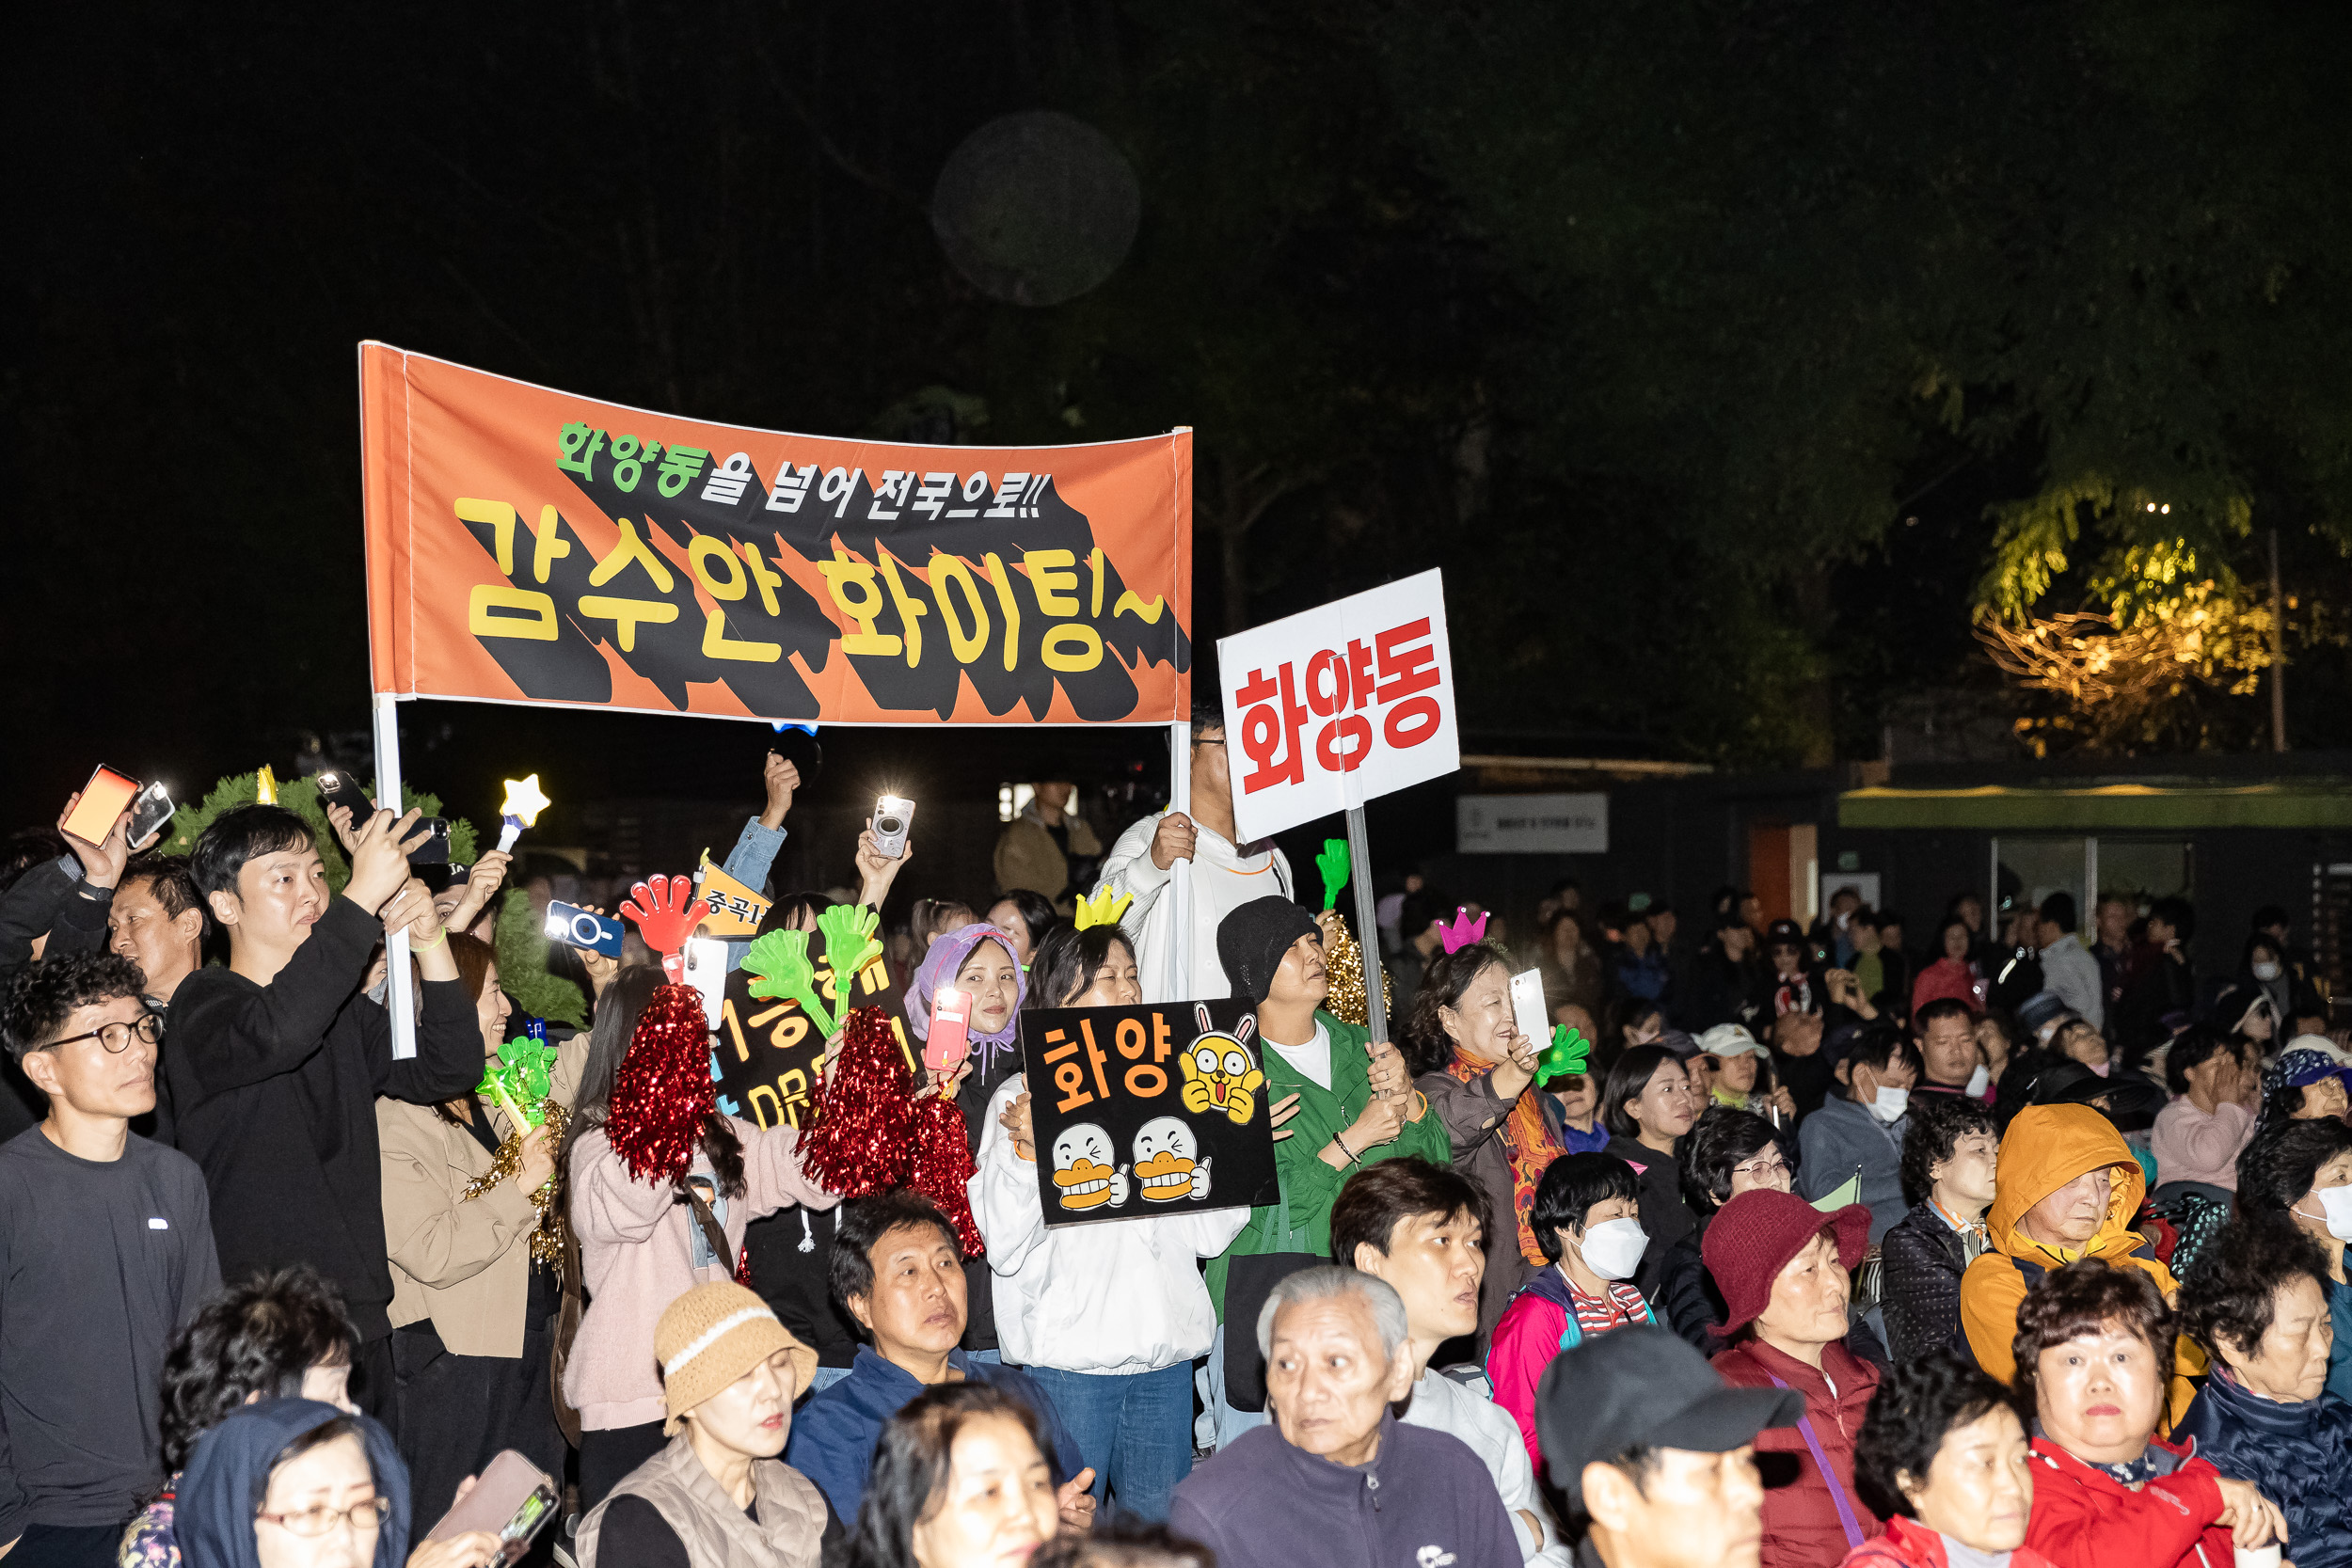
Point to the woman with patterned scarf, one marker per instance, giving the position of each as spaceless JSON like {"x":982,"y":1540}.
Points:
{"x":1479,"y":1072}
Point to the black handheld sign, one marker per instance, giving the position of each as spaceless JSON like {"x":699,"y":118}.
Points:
{"x":768,"y":1053}
{"x":1151,"y":1110}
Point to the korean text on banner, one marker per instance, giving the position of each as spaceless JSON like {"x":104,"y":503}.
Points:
{"x":1154,"y":1110}
{"x":528,"y":545}
{"x":1330,"y":707}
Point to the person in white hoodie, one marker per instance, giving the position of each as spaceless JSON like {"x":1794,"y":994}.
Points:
{"x":1223,"y":876}
{"x":1109,"y":1317}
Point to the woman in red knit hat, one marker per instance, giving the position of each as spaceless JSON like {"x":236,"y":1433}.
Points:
{"x":1783,"y":1266}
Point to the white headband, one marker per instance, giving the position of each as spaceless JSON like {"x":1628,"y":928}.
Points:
{"x":712,"y":1335}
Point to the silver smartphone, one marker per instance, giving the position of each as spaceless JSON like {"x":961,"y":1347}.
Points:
{"x":893,"y":818}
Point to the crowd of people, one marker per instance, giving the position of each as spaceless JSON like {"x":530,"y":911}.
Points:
{"x":1815,"y":1250}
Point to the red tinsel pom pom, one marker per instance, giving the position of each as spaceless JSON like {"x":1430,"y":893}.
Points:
{"x":857,"y":1143}
{"x":662,"y":1093}
{"x":943,"y":1164}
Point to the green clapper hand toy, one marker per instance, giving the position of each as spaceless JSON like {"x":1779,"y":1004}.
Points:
{"x":1332,"y":862}
{"x":779,"y":964}
{"x":849,"y":945}
{"x":1563,"y":1057}
{"x":522,"y":1078}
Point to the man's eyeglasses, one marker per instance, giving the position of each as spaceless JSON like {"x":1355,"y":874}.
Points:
{"x":116,"y":1037}
{"x":1763,"y":1170}
{"x":315,"y":1522}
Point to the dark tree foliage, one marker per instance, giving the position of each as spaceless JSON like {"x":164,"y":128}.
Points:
{"x":1653,"y":325}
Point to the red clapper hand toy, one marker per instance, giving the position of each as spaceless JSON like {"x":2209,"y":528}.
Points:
{"x":666,"y":912}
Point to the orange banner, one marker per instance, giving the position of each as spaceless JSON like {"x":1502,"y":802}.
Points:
{"x":527,"y":546}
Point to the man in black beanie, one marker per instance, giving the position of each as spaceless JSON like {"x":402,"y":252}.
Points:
{"x":1253,"y":939}
{"x":1356,"y":1101}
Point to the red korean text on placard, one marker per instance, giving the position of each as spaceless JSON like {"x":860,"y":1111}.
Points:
{"x":1395,"y":673}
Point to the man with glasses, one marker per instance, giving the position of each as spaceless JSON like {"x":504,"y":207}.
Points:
{"x":105,"y":1250}
{"x":1225,"y":875}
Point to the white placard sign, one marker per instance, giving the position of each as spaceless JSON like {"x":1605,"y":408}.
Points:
{"x":1330,"y":707}
{"x":1532,"y":824}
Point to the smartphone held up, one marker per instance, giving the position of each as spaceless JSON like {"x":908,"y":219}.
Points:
{"x":106,"y":796}
{"x":893,"y":819}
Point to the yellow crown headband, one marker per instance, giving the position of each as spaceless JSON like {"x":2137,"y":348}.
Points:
{"x":1103,"y":909}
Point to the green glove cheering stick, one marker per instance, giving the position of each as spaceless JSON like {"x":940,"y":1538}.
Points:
{"x":779,"y":964}
{"x":1565,"y":1057}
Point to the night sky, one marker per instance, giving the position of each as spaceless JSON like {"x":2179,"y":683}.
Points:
{"x":1704,"y":348}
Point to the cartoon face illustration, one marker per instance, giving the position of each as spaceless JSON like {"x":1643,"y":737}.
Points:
{"x":1083,"y":1169}
{"x":1166,"y":1163}
{"x":1219,"y":1072}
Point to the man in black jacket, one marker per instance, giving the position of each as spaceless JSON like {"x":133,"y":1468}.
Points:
{"x":274,"y":1062}
{"x":1724,"y":981}
{"x":2163,"y":984}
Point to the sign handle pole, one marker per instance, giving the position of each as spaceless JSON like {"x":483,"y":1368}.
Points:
{"x":1367,"y":923}
{"x":1179,"y":875}
{"x":399,"y":995}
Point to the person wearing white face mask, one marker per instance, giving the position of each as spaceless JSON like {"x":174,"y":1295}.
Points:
{"x":1862,"y":1133}
{"x":2300,"y":1173}
{"x":1583,"y":1219}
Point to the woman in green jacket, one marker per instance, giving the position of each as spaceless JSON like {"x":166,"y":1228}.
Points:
{"x":1357,"y":1104}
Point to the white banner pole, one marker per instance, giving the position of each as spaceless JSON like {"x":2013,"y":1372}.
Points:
{"x":1179,"y":875}
{"x":399,"y":994}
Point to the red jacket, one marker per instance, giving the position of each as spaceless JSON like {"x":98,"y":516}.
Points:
{"x":1908,"y":1544}
{"x":1800,"y":1525}
{"x":2085,"y":1518}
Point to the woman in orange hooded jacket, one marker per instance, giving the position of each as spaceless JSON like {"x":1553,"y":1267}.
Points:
{"x":2065,"y":1188}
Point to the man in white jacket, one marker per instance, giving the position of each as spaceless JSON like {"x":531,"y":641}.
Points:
{"x":1105,"y":1317}
{"x":1418,"y":1226}
{"x":1223,"y":876}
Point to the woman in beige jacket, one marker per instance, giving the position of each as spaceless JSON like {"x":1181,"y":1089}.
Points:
{"x":473,"y":1329}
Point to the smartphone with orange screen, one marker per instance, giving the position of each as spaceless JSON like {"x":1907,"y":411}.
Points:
{"x":106,"y":796}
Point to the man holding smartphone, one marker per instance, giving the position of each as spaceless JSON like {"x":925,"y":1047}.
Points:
{"x":56,"y":907}
{"x":276,"y":1061}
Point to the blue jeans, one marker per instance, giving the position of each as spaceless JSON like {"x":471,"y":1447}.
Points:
{"x":1135,"y":1430}
{"x":826,"y":1377}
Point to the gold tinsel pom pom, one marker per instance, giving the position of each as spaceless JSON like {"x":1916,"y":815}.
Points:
{"x":1344,"y":965}
{"x":547,"y":1236}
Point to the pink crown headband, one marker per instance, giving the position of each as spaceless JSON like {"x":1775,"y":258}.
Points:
{"x":1463,"y":930}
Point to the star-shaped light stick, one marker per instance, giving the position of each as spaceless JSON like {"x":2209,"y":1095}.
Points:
{"x":524,"y":802}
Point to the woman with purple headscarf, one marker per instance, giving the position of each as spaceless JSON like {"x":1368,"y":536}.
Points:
{"x":979,"y":960}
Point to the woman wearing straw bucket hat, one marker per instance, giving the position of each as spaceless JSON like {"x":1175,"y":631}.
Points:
{"x":718,"y":1497}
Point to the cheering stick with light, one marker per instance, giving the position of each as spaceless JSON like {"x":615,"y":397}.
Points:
{"x":524,"y":802}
